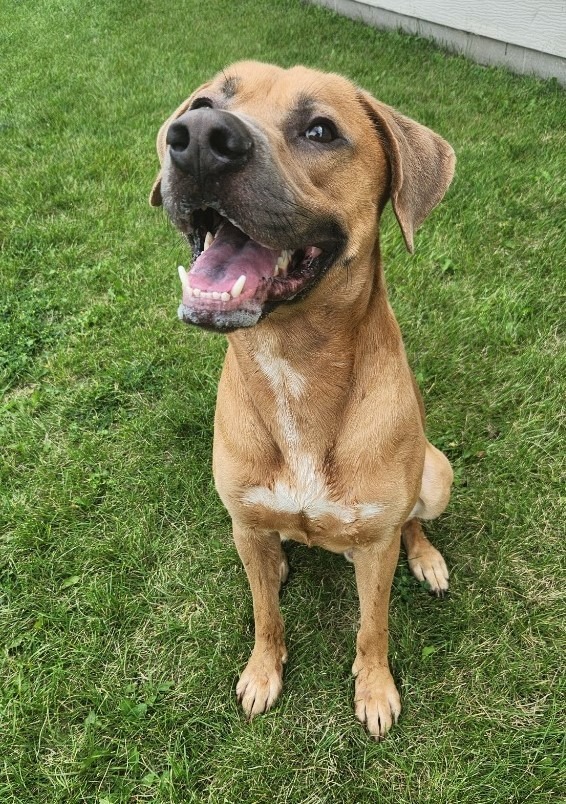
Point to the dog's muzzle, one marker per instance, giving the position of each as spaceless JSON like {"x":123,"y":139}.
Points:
{"x":253,"y":246}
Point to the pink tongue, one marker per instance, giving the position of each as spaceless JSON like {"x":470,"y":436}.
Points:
{"x":232,"y":254}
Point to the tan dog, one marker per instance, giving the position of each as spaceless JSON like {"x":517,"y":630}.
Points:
{"x":278,"y":178}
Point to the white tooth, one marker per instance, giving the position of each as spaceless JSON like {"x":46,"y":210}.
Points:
{"x":208,"y":240}
{"x":283,"y":261}
{"x":238,"y":286}
{"x":215,"y":294}
{"x":183,"y":277}
{"x":204,"y":294}
{"x":276,"y":269}
{"x":196,"y":292}
{"x":225,"y":296}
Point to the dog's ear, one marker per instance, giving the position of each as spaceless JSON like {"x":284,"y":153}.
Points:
{"x":421,"y":163}
{"x":155,"y":195}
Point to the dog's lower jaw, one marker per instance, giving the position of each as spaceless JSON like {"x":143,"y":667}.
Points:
{"x":217,"y":320}
{"x":226,"y":312}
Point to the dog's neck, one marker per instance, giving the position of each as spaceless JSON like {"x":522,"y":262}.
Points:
{"x":348,"y":305}
{"x":300,"y":371}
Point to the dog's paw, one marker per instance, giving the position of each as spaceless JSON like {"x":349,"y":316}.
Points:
{"x":376,"y":700}
{"x":429,"y":566}
{"x":260,"y":683}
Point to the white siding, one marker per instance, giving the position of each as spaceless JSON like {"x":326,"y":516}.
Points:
{"x":536,"y":24}
{"x":526,"y":36}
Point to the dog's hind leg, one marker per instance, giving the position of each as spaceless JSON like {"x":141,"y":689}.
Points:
{"x":425,"y":561}
{"x":265,"y":564}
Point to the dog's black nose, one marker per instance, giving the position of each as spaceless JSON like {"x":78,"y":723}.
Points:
{"x":208,"y":142}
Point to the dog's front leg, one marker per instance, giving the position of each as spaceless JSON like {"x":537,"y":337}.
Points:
{"x":261,"y":682}
{"x":376,"y":698}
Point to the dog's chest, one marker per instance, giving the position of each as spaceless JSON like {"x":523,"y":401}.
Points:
{"x":298,"y":502}
{"x":302,"y":509}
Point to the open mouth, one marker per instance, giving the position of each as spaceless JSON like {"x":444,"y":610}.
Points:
{"x":234,"y":280}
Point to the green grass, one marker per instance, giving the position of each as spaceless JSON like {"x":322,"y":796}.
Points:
{"x":125,"y":616}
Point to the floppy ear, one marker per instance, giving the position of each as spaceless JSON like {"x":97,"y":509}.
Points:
{"x":421,"y":162}
{"x":155,"y":195}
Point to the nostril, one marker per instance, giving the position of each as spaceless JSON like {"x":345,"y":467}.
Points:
{"x":228,"y":144}
{"x":178,"y":137}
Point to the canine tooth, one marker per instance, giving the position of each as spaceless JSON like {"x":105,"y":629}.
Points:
{"x":184,"y":278}
{"x":276,"y":269}
{"x":215,"y":294}
{"x":196,"y":292}
{"x":238,"y":286}
{"x":283,"y":261}
{"x":208,"y":240}
{"x":225,"y":296}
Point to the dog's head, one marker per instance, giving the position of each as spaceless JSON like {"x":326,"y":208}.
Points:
{"x":278,"y":178}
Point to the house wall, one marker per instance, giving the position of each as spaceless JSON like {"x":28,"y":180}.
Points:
{"x":536,"y":24}
{"x":527,"y":36}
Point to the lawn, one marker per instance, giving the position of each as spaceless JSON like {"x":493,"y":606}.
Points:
{"x":125,"y":615}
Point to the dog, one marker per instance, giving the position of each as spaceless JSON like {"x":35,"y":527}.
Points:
{"x":278,"y":178}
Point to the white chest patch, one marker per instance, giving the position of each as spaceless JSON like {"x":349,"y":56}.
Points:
{"x":313,"y":504}
{"x":307,"y":492}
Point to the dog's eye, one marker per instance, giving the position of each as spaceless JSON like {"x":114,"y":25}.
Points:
{"x":321,"y":131}
{"x":201,"y":103}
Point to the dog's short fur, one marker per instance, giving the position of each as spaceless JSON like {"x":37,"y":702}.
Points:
{"x":319,"y":427}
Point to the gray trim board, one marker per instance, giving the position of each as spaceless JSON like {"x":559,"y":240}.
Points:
{"x":478,"y":48}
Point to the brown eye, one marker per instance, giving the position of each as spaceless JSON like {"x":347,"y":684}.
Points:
{"x":321,"y":131}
